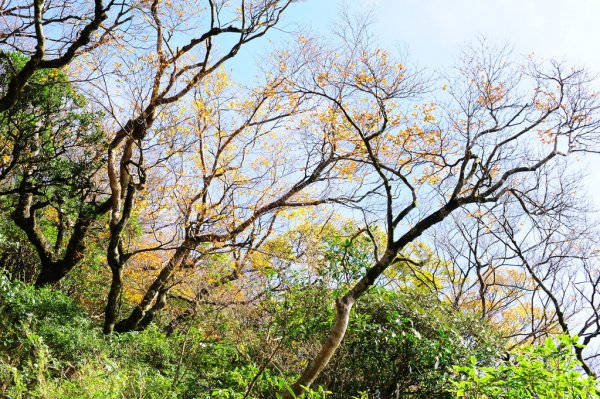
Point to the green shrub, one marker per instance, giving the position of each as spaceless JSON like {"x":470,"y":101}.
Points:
{"x":49,"y":348}
{"x":548,"y":371}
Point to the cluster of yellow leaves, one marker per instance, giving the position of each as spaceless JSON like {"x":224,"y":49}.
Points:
{"x":143,"y":269}
{"x":5,"y":160}
{"x":545,"y":101}
{"x":51,"y":214}
{"x":492,"y":94}
{"x":546,"y":136}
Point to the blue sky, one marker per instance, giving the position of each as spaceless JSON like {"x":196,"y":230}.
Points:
{"x":433,"y":31}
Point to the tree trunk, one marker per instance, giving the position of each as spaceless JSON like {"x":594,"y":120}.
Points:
{"x":360,"y":288}
{"x":51,"y":273}
{"x":53,"y":266}
{"x":153,"y":294}
{"x":342,"y":316}
{"x":159,"y":304}
{"x":112,"y":304}
{"x":54,"y":271}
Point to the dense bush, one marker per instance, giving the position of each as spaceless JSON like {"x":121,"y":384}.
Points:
{"x":402,"y":344}
{"x":49,"y":348}
{"x":548,"y":371}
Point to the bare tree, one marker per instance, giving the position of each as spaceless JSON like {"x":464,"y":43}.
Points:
{"x":52,"y":33}
{"x":548,"y":234}
{"x":172,"y":71}
{"x":247,"y":174}
{"x":501,"y":126}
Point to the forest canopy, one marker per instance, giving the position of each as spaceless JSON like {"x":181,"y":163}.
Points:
{"x":342,"y":225}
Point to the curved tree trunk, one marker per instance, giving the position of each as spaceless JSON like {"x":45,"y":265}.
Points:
{"x":51,"y":273}
{"x":344,"y":305}
{"x":342,"y":316}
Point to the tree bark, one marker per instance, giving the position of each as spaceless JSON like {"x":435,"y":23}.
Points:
{"x":51,"y":273}
{"x":112,"y":303}
{"x":144,"y":308}
{"x":342,"y":316}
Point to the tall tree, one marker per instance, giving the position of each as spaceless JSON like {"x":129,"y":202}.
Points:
{"x":52,"y":152}
{"x":254,"y":158}
{"x":176,"y":61}
{"x":502,"y":124}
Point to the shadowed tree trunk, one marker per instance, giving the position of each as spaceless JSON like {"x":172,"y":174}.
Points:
{"x":155,"y":297}
{"x":54,"y":265}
